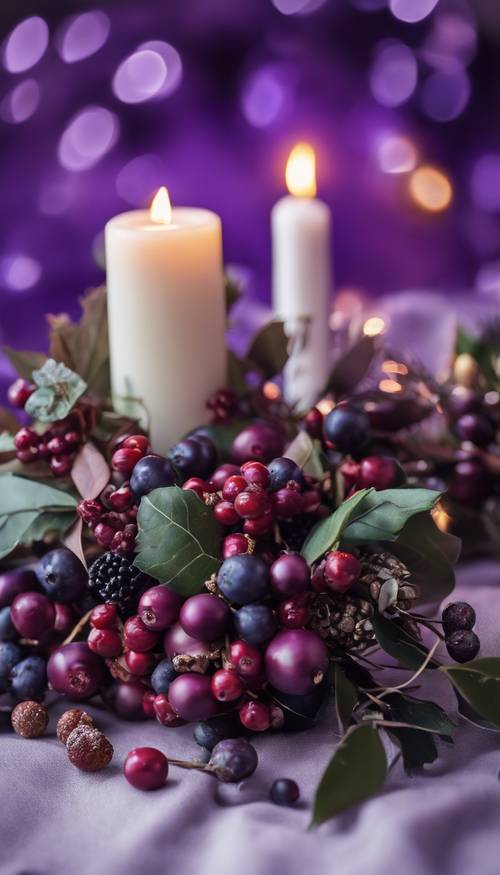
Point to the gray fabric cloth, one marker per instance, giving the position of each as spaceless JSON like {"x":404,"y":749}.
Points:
{"x":55,"y":820}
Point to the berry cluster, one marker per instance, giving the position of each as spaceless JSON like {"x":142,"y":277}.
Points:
{"x":458,"y":619}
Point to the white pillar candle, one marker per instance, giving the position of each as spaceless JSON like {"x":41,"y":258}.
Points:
{"x":166,"y":316}
{"x":302,"y":279}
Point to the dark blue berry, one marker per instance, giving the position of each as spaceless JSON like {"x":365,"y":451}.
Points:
{"x":61,"y":575}
{"x":29,"y":678}
{"x":10,"y":655}
{"x":8,"y":631}
{"x":163,"y":676}
{"x":462,"y":645}
{"x":347,"y":428}
{"x":208,"y":457}
{"x":458,"y":615}
{"x":281,"y":471}
{"x":233,"y":759}
{"x":256,"y":624}
{"x":243,"y":578}
{"x":194,"y":456}
{"x":284,"y":791}
{"x":151,"y":472}
{"x":208,"y":733}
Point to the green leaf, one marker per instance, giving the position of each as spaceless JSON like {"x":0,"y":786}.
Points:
{"x":346,"y":699}
{"x":84,"y":346}
{"x":308,"y":455}
{"x":468,"y":713}
{"x":429,"y":555}
{"x":59,"y":389}
{"x":351,"y":367}
{"x":382,"y":515}
{"x":421,"y":713}
{"x":417,"y":747}
{"x":237,"y":369}
{"x":269,"y":349}
{"x":356,"y":771}
{"x":179,"y":539}
{"x":57,"y":522}
{"x":23,"y":361}
{"x":233,"y":292}
{"x":479,"y":683}
{"x":399,"y":644}
{"x":329,"y":531}
{"x":13,"y":530}
{"x":18,"y":494}
{"x":7,"y":444}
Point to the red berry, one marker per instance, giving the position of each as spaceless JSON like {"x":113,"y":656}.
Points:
{"x":287,"y":502}
{"x":105,"y":642}
{"x":379,"y":472}
{"x":148,"y":703}
{"x":197,"y":485}
{"x":104,"y":617}
{"x":246,"y":659}
{"x":311,"y":501}
{"x":72,"y":440}
{"x":90,"y":511}
{"x":221,"y":474}
{"x":121,"y":499}
{"x":137,"y":442}
{"x":255,"y":716}
{"x":124,"y":542}
{"x":61,"y":465}
{"x":226,"y":685}
{"x":137,"y":636}
{"x":263,"y":525}
{"x":318,"y":580}
{"x":104,"y":534}
{"x":256,"y":474}
{"x":289,"y":575}
{"x":19,"y":392}
{"x":27,"y":456}
{"x":225,"y":513}
{"x":234,"y":544}
{"x":252,"y":505}
{"x":26,"y":439}
{"x":233,"y":486}
{"x":57,"y":447}
{"x":350,"y":474}
{"x":146,"y":768}
{"x":164,"y":712}
{"x":125,"y":459}
{"x":294,"y":613}
{"x":313,"y":423}
{"x":341,"y":570}
{"x":139,"y":663}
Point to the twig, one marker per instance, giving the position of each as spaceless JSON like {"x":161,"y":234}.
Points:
{"x":78,"y":628}
{"x":388,"y":690}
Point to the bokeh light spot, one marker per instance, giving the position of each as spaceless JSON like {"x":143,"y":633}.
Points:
{"x":373,"y":326}
{"x":396,"y":154}
{"x":430,"y":189}
{"x":294,"y":7}
{"x":88,"y":137}
{"x":82,"y":36}
{"x":20,"y":104}
{"x":139,"y":179}
{"x":394,"y":73}
{"x":20,"y":272}
{"x":445,"y":95}
{"x":485,"y":183}
{"x":26,"y":44}
{"x":263,"y":97}
{"x":452,"y":41}
{"x":140,"y":77}
{"x":173,"y":65}
{"x":412,"y":10}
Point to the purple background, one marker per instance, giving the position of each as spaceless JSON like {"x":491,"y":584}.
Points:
{"x":343,"y":74}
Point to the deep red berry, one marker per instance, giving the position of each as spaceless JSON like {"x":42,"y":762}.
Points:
{"x":137,"y":442}
{"x":164,"y":712}
{"x":350,"y":473}
{"x":341,"y":570}
{"x":313,"y":423}
{"x":221,"y":474}
{"x":105,"y":642}
{"x":380,"y":472}
{"x":139,"y":663}
{"x":226,"y":685}
{"x":26,"y":438}
{"x":104,"y":617}
{"x":318,"y":580}
{"x":19,"y":392}
{"x":234,"y":544}
{"x":255,"y":716}
{"x":33,"y":615}
{"x":225,"y":513}
{"x":148,"y":703}
{"x":256,"y":474}
{"x":90,"y":511}
{"x":247,"y":660}
{"x":121,"y":499}
{"x":146,"y":768}
{"x":28,"y":456}
{"x":104,"y":534}
{"x":125,"y":459}
{"x":252,"y":505}
{"x":294,"y":613}
{"x":61,"y":465}
{"x":137,"y":636}
{"x":72,"y":440}
{"x":289,"y":575}
{"x":287,"y":502}
{"x":197,"y":485}
{"x":124,"y":541}
{"x":56,"y":446}
{"x":311,"y":501}
{"x":263,"y":525}
{"x":233,"y":486}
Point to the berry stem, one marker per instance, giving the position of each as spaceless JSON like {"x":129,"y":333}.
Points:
{"x":190,"y":764}
{"x":78,"y":628}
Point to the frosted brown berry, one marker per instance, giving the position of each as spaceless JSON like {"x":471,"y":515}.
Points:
{"x":29,"y":719}
{"x":89,"y":749}
{"x":70,"y":720}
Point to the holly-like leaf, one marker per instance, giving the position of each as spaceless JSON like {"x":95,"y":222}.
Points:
{"x":269,"y":349}
{"x":58,"y":390}
{"x":356,"y":771}
{"x":329,"y":531}
{"x":429,"y":555}
{"x":23,"y":361}
{"x":399,"y":644}
{"x":84,"y":346}
{"x":478,"y":682}
{"x":382,"y":515}
{"x":351,"y":367}
{"x":417,"y":747}
{"x":179,"y":539}
{"x":346,"y":699}
{"x":420,"y":713}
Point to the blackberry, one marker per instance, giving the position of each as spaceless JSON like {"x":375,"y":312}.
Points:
{"x":114,"y":579}
{"x":294,"y":532}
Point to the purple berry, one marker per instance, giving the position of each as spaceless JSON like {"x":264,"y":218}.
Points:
{"x":10,"y":655}
{"x":284,"y":791}
{"x":8,"y":631}
{"x":14,"y":582}
{"x":177,"y":641}
{"x":151,"y":472}
{"x":476,"y":428}
{"x":347,"y":428}
{"x":296,"y":660}
{"x":282,"y":471}
{"x":458,"y":615}
{"x":33,"y":616}
{"x":243,"y":579}
{"x":29,"y":678}
{"x":256,"y":624}
{"x":233,"y":759}
{"x":73,"y":670}
{"x":191,"y":697}
{"x":159,"y":608}
{"x":462,"y":645}
{"x":126,"y":700}
{"x":289,"y":575}
{"x":259,"y":442}
{"x":204,"y":617}
{"x":61,"y":575}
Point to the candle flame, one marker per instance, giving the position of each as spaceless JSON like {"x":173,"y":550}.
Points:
{"x":300,"y":171}
{"x":161,"y":210}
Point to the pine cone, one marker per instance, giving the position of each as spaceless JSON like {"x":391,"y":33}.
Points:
{"x":344,"y":621}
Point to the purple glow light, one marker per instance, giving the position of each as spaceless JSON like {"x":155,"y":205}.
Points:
{"x":412,"y":10}
{"x":55,"y":196}
{"x":25,"y":45}
{"x":444,"y":95}
{"x":485,"y":183}
{"x":20,"y":272}
{"x":396,"y":154}
{"x":263,"y":97}
{"x":173,"y":63}
{"x":452,"y":42}
{"x":394,"y":73}
{"x":140,"y":77}
{"x":488,"y":280}
{"x":88,"y":137}
{"x":300,"y":7}
{"x":20,"y":104}
{"x":139,"y":179}
{"x":82,"y":36}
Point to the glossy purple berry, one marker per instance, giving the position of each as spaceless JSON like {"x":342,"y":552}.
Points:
{"x":296,"y":661}
{"x":126,"y":700}
{"x":205,"y":617}
{"x":259,"y":442}
{"x":14,"y":582}
{"x":151,"y":472}
{"x":73,"y":670}
{"x":191,"y":697}
{"x":476,"y":428}
{"x":28,"y":678}
{"x":33,"y":615}
{"x":243,"y":579}
{"x":458,"y":615}
{"x":284,"y":791}
{"x":233,"y":759}
{"x":256,"y":624}
{"x":282,"y":471}
{"x":177,"y":641}
{"x":61,"y":575}
{"x":159,"y":608}
{"x":347,"y":428}
{"x":289,"y":575}
{"x":462,"y":645}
